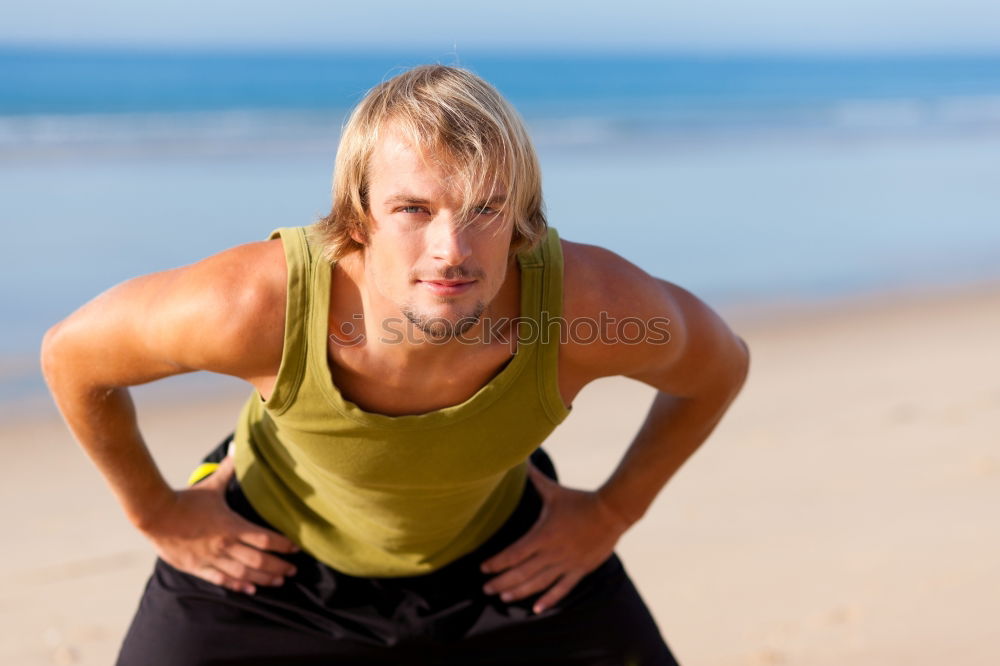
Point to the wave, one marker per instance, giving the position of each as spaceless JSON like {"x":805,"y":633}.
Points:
{"x":957,"y":112}
{"x":560,"y":126}
{"x":185,"y":131}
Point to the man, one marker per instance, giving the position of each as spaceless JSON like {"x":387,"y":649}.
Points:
{"x":408,"y":355}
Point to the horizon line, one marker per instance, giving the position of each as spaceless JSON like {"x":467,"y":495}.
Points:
{"x":511,"y":52}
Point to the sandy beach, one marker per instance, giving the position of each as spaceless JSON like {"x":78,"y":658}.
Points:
{"x":844,"y":511}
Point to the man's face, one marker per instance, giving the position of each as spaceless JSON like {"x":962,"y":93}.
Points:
{"x":440,"y":274}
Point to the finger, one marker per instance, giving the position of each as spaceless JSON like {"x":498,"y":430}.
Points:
{"x":240,"y":572}
{"x":516,"y":576}
{"x":557,"y":592}
{"x":264,"y":539}
{"x":218,"y":577}
{"x":273,"y":566}
{"x":514,"y":554}
{"x":533,"y":585}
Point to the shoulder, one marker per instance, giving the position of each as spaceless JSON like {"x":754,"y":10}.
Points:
{"x":596,"y":279}
{"x":236,"y":301}
{"x":629,"y":310}
{"x":647,"y":328}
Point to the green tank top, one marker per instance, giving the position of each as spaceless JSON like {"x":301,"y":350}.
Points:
{"x":383,"y":496}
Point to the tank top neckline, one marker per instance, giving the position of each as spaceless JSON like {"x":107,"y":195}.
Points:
{"x":317,"y":332}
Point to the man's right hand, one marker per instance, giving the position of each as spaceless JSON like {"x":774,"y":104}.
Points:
{"x":199,"y":534}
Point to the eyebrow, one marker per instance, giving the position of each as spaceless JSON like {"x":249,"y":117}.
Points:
{"x":407,"y":198}
{"x":497,"y":198}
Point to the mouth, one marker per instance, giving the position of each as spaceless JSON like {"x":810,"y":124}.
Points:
{"x":447,"y":287}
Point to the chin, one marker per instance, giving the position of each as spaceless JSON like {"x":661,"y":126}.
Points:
{"x":454,"y":314}
{"x":434,"y":316}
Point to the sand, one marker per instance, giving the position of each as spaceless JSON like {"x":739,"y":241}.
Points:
{"x":844,"y":511}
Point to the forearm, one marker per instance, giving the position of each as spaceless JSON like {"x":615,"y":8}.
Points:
{"x":673,"y":430}
{"x":103,"y":422}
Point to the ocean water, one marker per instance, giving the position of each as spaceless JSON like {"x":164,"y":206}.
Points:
{"x":742,"y":179}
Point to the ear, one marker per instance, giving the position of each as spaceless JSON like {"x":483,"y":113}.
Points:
{"x":359,"y":235}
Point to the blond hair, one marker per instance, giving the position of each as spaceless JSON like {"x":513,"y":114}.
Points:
{"x":468,"y":128}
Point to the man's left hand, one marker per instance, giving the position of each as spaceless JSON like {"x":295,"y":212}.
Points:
{"x":575,"y":533}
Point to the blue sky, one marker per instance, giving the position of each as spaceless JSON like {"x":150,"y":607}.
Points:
{"x":713,"y":25}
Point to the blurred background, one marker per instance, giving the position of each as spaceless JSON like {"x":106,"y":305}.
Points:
{"x":769,"y":156}
{"x":748,"y":153}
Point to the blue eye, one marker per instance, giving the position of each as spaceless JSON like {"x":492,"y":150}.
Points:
{"x":412,"y":209}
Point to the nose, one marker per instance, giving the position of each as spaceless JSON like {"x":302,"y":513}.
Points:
{"x":449,"y":240}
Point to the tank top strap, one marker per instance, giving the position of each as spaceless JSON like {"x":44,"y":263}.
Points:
{"x":551,"y":326}
{"x":298,"y":260}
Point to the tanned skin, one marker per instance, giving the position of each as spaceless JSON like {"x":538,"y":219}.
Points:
{"x":226,"y":314}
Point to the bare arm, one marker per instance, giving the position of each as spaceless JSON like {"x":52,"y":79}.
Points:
{"x":697,"y":381}
{"x":687,"y":353}
{"x":216,"y":315}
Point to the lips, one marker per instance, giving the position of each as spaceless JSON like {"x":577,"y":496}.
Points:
{"x":447,"y":287}
{"x":448,"y":283}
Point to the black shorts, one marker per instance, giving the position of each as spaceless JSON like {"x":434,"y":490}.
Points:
{"x":323,"y":616}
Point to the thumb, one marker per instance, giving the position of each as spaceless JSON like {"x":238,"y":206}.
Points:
{"x":223,"y":473}
{"x":545,"y":485}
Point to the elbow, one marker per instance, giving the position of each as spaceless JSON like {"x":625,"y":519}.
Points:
{"x":59,"y":358}
{"x":741,"y":365}
{"x":732,"y":370}
{"x":49,"y":353}
{"x":745,"y":356}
